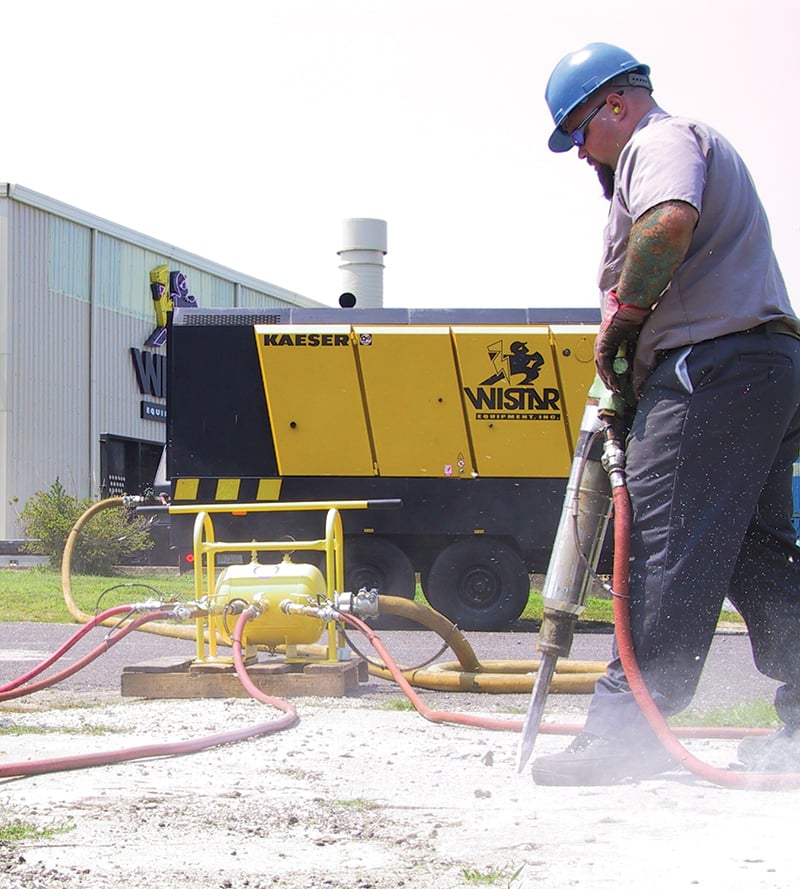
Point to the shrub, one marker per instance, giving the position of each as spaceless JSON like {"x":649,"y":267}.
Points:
{"x":109,"y":536}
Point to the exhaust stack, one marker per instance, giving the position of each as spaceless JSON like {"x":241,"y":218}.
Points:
{"x":361,"y":254}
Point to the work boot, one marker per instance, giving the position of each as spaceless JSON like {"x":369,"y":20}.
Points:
{"x":592,"y":760}
{"x":779,"y":752}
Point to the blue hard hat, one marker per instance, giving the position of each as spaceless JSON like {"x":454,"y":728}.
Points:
{"x":582,"y":72}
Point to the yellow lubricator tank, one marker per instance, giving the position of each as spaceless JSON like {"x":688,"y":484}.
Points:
{"x":267,"y":586}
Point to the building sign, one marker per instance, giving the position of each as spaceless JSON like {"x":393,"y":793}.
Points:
{"x":152,"y":411}
{"x":168,"y":290}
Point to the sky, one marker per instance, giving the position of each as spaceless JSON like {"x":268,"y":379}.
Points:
{"x":245,"y":132}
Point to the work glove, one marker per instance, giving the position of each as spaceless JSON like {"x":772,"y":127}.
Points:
{"x":621,"y":324}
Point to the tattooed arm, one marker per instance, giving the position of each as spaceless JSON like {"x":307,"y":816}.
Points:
{"x":657,"y":245}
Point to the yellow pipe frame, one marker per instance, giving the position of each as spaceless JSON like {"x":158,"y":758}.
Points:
{"x":205,"y":548}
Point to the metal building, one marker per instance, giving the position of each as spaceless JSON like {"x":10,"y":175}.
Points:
{"x":82,"y":346}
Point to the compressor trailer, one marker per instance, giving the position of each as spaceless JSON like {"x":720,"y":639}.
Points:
{"x":469,"y":417}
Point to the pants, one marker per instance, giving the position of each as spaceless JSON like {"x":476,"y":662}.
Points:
{"x":709,"y":461}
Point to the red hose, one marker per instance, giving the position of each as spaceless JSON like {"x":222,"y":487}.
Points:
{"x":247,"y":683}
{"x":60,"y":652}
{"x":177,"y":748}
{"x":487,"y":722}
{"x":104,"y":646}
{"x":622,"y":623}
{"x":510,"y":725}
{"x":109,"y":757}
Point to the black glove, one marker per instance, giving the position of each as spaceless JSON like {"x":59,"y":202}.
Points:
{"x":621,"y":324}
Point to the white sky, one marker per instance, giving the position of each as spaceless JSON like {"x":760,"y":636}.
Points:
{"x":246,"y":131}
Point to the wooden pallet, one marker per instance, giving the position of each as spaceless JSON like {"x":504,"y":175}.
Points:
{"x":170,"y":677}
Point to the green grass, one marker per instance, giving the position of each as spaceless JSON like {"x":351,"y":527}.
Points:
{"x":15,"y":830}
{"x":492,"y":876}
{"x":397,"y":704}
{"x":597,"y":610}
{"x":743,"y":715}
{"x":35,"y":594}
{"x":358,"y":802}
{"x":50,"y":730}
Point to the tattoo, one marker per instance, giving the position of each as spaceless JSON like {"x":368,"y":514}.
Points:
{"x":656,"y":247}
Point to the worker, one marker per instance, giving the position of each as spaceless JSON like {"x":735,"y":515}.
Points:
{"x":689,"y":280}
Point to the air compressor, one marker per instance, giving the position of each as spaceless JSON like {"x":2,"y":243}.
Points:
{"x":291,"y":604}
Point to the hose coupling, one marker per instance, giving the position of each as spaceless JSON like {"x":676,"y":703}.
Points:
{"x":184,"y":611}
{"x":324,"y":612}
{"x":254,"y":610}
{"x":364,"y":603}
{"x":148,"y":605}
{"x":613,"y":458}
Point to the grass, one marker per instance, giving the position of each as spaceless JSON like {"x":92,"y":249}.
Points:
{"x":50,"y":730}
{"x":492,"y":876}
{"x":35,"y":594}
{"x":358,"y":802}
{"x":597,"y":610}
{"x":744,"y":715}
{"x":15,"y":830}
{"x":399,"y":704}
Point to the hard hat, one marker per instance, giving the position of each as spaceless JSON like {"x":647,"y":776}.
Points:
{"x":580,"y":73}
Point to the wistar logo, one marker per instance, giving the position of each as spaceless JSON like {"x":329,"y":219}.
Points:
{"x":168,"y":290}
{"x":509,"y":393}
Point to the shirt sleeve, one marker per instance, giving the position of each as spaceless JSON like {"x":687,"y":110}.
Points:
{"x":667,"y":161}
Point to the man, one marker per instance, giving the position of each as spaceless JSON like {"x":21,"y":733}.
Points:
{"x":688,"y":275}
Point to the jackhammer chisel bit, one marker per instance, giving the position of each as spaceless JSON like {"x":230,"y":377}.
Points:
{"x":533,"y":716}
{"x":576,"y":550}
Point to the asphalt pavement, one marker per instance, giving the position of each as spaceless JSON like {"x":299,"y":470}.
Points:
{"x":729,"y":677}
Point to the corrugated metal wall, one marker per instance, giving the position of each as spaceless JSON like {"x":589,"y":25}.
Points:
{"x":48,"y":399}
{"x":76,"y":299}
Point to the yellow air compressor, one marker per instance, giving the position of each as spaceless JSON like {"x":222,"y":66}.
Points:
{"x":268,"y":587}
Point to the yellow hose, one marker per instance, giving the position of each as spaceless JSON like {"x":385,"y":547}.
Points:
{"x":66,"y":578}
{"x":472,"y":675}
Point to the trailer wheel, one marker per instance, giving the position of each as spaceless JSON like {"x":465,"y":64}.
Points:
{"x":375,"y":563}
{"x":479,"y":584}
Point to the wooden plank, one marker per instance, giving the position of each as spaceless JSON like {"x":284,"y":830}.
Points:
{"x":167,"y":678}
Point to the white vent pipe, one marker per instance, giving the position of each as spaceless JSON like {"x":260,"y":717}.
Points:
{"x":361,"y":255}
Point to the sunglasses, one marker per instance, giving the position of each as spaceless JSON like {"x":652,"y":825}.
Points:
{"x":578,"y":135}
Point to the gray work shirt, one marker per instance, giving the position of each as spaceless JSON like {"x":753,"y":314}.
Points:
{"x":730,"y":279}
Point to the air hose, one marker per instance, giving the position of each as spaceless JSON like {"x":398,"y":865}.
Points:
{"x":63,"y":649}
{"x":469,"y":674}
{"x":177,"y":748}
{"x":82,"y":617}
{"x":16,"y":689}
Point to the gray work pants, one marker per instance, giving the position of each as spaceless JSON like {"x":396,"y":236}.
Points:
{"x":709,"y":460}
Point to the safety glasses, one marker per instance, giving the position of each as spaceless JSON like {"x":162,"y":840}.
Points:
{"x":578,"y":135}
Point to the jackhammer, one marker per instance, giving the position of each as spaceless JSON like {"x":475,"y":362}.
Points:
{"x":597,"y":465}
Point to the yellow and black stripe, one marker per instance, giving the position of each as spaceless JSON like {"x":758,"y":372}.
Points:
{"x":227,"y":490}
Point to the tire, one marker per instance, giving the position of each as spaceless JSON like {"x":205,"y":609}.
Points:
{"x":375,"y":563}
{"x":479,"y":584}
